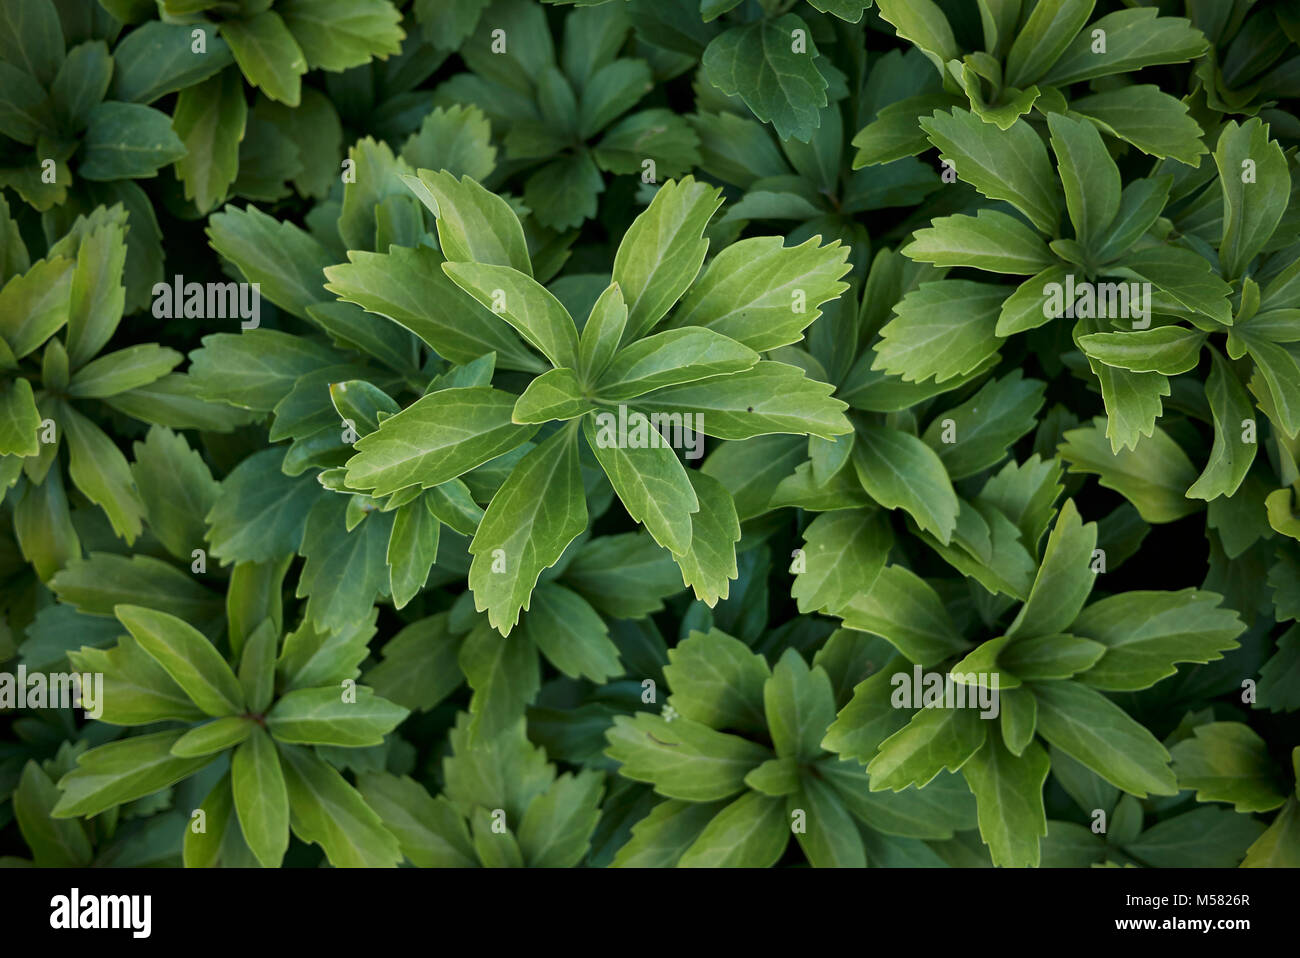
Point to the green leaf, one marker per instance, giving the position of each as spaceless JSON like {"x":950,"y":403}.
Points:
{"x":157,"y":58}
{"x":285,"y":260}
{"x":659,"y":839}
{"x":943,"y":329}
{"x":1201,"y":838}
{"x":843,"y":554}
{"x":718,"y":681}
{"x":682,"y":758}
{"x":922,"y":23}
{"x":1043,"y":37}
{"x":900,"y":471}
{"x":1065,"y":578}
{"x":672,"y":358}
{"x":1277,"y":847}
{"x":457,"y":139}
{"x":31,"y":38}
{"x":215,"y":736}
{"x":1057,"y":656}
{"x":261,"y":798}
{"x":127,"y":141}
{"x":409,"y":287}
{"x":412,"y":549}
{"x":1135,"y":38}
{"x":650,"y":482}
{"x":137,"y":690}
{"x":331,"y":716}
{"x":260,"y":513}
{"x":799,"y":705}
{"x":312,"y":657}
{"x":98,"y":468}
{"x":710,"y":563}
{"x":1153,"y":121}
{"x":1251,"y":209}
{"x":989,"y":241}
{"x":439,"y":437}
{"x":123,"y":771}
{"x":34,"y":305}
{"x":98,"y":584}
{"x":124,"y":369}
{"x":1009,"y":793}
{"x":662,"y":251}
{"x":345,"y":569}
{"x":935,"y":739}
{"x":564,"y":192}
{"x":24,"y":105}
{"x":1098,"y":733}
{"x":474,"y":226}
{"x":1169,"y":350}
{"x":268,"y":55}
{"x":778,"y":776}
{"x":54,"y":842}
{"x":531,"y":520}
{"x":257,"y":666}
{"x":601,"y":333}
{"x":751,"y":832}
{"x":419,"y":667}
{"x":1230,"y":459}
{"x":556,"y":828}
{"x":762,"y":293}
{"x":1089,"y":176}
{"x":325,"y":810}
{"x":1228,"y":762}
{"x":81,"y":83}
{"x":1148,"y":633}
{"x":770,"y":65}
{"x":210,"y":119}
{"x":525,"y":304}
{"x":626,"y":576}
{"x":902,"y":608}
{"x":571,"y":634}
{"x":768,"y":397}
{"x":1152,"y":476}
{"x":432,"y":834}
{"x":986,"y":424}
{"x":1009,"y":164}
{"x":187,"y":656}
{"x":176,"y":488}
{"x":20,"y":422}
{"x":557,"y":394}
{"x":338,"y":34}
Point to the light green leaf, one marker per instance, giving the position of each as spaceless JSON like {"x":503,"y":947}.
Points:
{"x":531,"y":520}
{"x":763,"y":293}
{"x":682,"y":758}
{"x":662,"y":251}
{"x":188,"y":656}
{"x":261,"y":798}
{"x":267,"y":54}
{"x":1009,"y":793}
{"x":1095,"y":731}
{"x":439,"y":437}
{"x":525,"y":304}
{"x":751,"y":832}
{"x":1009,"y":164}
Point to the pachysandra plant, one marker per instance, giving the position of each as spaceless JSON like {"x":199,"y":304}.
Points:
{"x":53,"y":386}
{"x":617,"y":385}
{"x":288,"y":692}
{"x":649,"y":433}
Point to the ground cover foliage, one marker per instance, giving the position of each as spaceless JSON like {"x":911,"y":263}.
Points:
{"x":334,"y":340}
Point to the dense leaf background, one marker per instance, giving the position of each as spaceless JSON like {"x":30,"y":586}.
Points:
{"x":367,"y":587}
